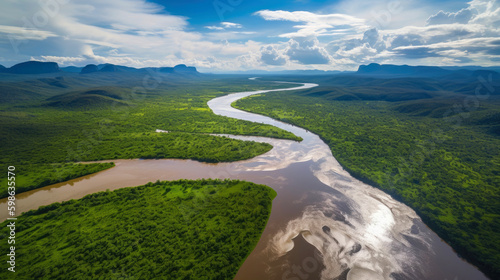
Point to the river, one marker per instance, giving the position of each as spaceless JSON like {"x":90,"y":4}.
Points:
{"x":324,"y":223}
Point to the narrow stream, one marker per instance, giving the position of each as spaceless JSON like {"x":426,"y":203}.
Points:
{"x":324,"y":223}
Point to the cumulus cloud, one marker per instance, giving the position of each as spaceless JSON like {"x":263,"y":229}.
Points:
{"x":271,"y":56}
{"x":307,"y":51}
{"x":464,"y":36}
{"x":462,"y":16}
{"x":356,"y":55}
{"x":488,"y":12}
{"x":371,"y":37}
{"x":369,"y":47}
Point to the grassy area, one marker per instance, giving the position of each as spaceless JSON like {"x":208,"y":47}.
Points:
{"x":183,"y":229}
{"x":421,"y":149}
{"x":39,"y":175}
{"x":113,"y":116}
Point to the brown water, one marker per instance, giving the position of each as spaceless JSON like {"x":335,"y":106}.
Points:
{"x":324,"y":223}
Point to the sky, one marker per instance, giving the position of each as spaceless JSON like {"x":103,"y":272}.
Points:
{"x":240,"y":35}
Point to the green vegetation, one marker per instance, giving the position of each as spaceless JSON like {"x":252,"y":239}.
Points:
{"x":428,"y":150}
{"x":165,"y":230}
{"x":73,"y":118}
{"x":40,"y":175}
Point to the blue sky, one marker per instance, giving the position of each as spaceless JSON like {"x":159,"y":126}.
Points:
{"x":235,"y":35}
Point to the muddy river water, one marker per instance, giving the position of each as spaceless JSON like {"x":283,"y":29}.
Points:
{"x":324,"y":223}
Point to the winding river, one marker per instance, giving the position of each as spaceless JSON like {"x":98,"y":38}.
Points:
{"x":324,"y":223}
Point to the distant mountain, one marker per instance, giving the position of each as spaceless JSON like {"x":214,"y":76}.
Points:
{"x":117,"y":68}
{"x":71,"y":69}
{"x":402,"y":70}
{"x":450,"y":73}
{"x":472,"y":68}
{"x":38,"y":67}
{"x":181,"y":68}
{"x":91,"y":68}
{"x":166,"y":69}
{"x":110,"y":68}
{"x":33,"y":67}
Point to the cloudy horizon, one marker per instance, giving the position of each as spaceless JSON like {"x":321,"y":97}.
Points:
{"x":237,"y":35}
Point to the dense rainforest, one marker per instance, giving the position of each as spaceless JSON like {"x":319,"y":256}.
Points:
{"x":182,"y":229}
{"x":49,"y":123}
{"x":430,"y":144}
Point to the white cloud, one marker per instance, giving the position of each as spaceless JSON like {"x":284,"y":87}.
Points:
{"x":22,"y":33}
{"x":226,"y":24}
{"x":126,"y":15}
{"x":314,"y":24}
{"x":271,"y":56}
{"x":433,"y":34}
{"x":303,"y":16}
{"x":440,"y":38}
{"x":307,"y":51}
{"x":214,"y":27}
{"x":472,"y":43}
{"x":61,"y":60}
{"x":470,"y":35}
{"x":488,"y":12}
{"x":131,"y":32}
{"x":462,"y":16}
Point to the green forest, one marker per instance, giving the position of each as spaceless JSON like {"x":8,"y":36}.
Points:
{"x":182,"y":229}
{"x":48,"y":123}
{"x":39,"y":175}
{"x":444,"y":165}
